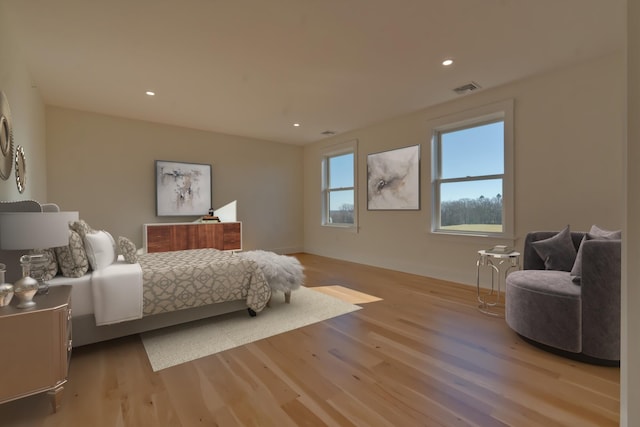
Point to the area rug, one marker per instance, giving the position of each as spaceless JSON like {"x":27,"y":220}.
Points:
{"x":178,"y":344}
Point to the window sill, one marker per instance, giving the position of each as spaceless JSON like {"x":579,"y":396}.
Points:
{"x":346,"y":227}
{"x":475,"y":236}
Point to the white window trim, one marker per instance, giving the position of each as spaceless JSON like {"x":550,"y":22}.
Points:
{"x":500,"y":110}
{"x":332,"y":151}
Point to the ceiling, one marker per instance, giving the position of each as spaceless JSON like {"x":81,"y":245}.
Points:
{"x":255,"y":67}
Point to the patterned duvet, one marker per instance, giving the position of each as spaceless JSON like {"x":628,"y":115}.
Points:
{"x":191,"y":278}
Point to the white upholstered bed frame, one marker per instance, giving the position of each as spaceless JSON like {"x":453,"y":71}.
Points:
{"x":83,"y":321}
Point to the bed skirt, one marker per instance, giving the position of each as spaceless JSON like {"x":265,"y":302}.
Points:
{"x":86,"y":332}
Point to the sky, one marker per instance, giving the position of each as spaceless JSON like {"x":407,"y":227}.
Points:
{"x":468,"y":152}
{"x":473,"y":152}
{"x":341,"y":176}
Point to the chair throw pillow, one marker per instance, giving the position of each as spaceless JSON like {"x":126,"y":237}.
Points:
{"x":557,"y":252}
{"x":128,"y":250}
{"x":101,"y":249}
{"x":596,"y":233}
{"x":72,"y":258}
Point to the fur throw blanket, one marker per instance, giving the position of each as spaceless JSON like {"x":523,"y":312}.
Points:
{"x":283,"y":273}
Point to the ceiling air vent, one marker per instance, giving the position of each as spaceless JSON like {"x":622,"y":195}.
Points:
{"x":465,"y":88}
{"x":328,"y":132}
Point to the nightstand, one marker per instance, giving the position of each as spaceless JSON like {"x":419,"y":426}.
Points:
{"x":36,"y":347}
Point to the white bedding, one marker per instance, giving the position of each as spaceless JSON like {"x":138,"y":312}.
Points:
{"x":81,"y":295}
{"x":112,"y":294}
{"x":117,"y":293}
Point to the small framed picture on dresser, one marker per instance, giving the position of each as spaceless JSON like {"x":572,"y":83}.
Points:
{"x":182,"y":189}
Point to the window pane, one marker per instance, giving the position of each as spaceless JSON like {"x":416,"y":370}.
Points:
{"x":471,"y":206}
{"x":341,"y":207}
{"x":474,"y":151}
{"x":341,"y":171}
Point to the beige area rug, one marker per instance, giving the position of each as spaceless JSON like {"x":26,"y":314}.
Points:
{"x":182,"y":343}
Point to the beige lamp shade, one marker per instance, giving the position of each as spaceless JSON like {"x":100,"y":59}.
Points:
{"x":34,"y":230}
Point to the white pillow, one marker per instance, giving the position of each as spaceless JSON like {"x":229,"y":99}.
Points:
{"x":101,"y":249}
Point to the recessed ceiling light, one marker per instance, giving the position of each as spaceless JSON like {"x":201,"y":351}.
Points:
{"x":296,"y":125}
{"x":150,"y":93}
{"x":447,"y":62}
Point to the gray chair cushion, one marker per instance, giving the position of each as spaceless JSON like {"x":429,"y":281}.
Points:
{"x":545,"y":306}
{"x":600,"y":294}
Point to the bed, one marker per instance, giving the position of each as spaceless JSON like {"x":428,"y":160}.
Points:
{"x":119,"y":291}
{"x":162,"y":289}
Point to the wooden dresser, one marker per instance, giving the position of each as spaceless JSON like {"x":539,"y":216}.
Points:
{"x":36,"y":346}
{"x":163,"y":237}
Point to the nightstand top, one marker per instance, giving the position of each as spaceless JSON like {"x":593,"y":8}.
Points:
{"x":58,"y":296}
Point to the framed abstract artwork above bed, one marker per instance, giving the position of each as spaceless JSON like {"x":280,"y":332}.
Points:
{"x":182,"y":189}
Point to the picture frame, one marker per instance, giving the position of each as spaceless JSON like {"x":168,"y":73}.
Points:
{"x":182,"y":188}
{"x":393,"y":179}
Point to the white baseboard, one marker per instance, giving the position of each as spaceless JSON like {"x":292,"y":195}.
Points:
{"x":286,"y":250}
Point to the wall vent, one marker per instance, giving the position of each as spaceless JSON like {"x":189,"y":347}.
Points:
{"x":468,"y":87}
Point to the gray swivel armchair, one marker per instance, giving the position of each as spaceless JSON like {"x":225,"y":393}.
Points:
{"x":575,"y":316}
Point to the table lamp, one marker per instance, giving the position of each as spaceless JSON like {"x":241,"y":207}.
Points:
{"x":33,"y":230}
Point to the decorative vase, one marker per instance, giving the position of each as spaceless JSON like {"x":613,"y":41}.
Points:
{"x":6,"y":289}
{"x":26,"y":288}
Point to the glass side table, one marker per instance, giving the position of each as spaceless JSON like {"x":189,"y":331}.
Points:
{"x":501,"y":264}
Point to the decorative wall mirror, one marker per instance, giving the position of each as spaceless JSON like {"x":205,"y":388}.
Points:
{"x":21,"y":169}
{"x":6,"y":138}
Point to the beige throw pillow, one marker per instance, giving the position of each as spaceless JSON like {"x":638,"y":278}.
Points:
{"x":128,"y":250}
{"x":48,"y":269}
{"x":72,"y":258}
{"x":81,"y":227}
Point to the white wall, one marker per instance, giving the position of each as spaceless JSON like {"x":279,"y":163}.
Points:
{"x":104,"y":167}
{"x":569,"y":128}
{"x":630,"y":370}
{"x":27,"y":111}
{"x":28,"y":123}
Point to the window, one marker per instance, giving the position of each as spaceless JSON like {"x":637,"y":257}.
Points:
{"x":472,"y":173}
{"x":338,"y":184}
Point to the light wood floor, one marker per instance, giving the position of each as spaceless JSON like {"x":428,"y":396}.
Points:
{"x":423,"y":356}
